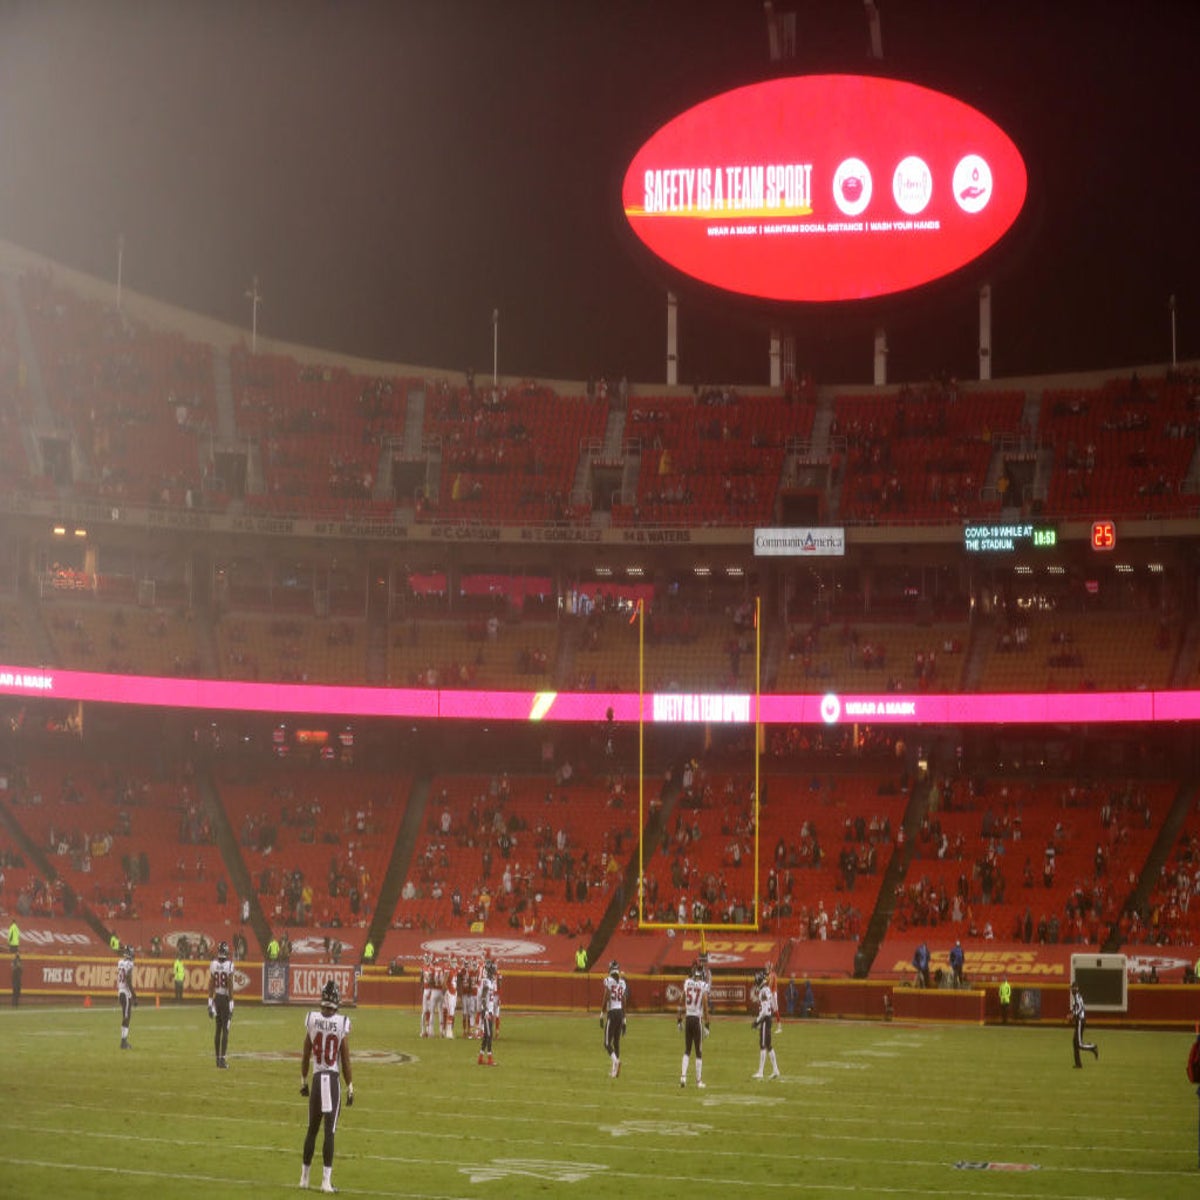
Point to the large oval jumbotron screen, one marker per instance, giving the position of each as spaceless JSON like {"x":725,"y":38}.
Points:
{"x":824,"y":187}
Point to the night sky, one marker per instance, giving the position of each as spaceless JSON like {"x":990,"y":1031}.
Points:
{"x":394,"y":171}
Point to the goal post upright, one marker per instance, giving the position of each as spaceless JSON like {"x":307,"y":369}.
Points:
{"x":641,"y":888}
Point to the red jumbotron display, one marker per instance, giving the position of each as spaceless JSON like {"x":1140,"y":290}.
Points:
{"x":824,"y":187}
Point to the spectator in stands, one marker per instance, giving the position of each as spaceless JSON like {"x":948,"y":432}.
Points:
{"x":920,"y":962}
{"x":956,"y":963}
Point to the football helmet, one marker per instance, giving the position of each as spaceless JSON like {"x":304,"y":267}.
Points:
{"x":490,"y":969}
{"x":760,"y":977}
{"x":127,"y":951}
{"x":223,"y":950}
{"x":697,"y":971}
{"x":614,"y":970}
{"x":329,"y":995}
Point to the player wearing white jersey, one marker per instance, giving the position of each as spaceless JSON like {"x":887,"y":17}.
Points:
{"x":126,"y":993}
{"x":487,"y":1013}
{"x":692,"y":1018}
{"x":220,"y":1001}
{"x":764,"y":997}
{"x":327,"y":1047}
{"x":612,"y":1014}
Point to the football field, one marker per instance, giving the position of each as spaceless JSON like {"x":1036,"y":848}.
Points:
{"x":862,"y":1109}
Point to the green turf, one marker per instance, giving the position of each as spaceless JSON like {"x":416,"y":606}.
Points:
{"x":869,"y":1109}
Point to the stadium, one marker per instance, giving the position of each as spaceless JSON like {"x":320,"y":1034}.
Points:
{"x":376,"y":671}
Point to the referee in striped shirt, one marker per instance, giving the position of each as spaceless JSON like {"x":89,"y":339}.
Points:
{"x":1078,"y":1014}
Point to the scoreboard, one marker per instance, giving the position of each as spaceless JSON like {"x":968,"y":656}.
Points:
{"x":1008,"y":537}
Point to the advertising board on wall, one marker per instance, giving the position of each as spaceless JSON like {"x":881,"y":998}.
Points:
{"x":801,"y":542}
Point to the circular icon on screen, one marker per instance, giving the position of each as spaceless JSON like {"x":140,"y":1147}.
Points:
{"x":912,"y":185}
{"x":852,"y":186}
{"x":972,"y":184}
{"x":831,"y":708}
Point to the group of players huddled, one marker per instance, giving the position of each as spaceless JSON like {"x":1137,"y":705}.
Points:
{"x":477,"y":981}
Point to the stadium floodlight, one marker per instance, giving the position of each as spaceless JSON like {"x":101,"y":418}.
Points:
{"x":495,"y":348}
{"x":121,"y":267}
{"x":255,"y":298}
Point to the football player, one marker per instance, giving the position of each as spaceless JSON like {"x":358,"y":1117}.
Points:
{"x":437,"y":998}
{"x":450,"y":999}
{"x":126,"y":994}
{"x":692,"y":1018}
{"x":327,"y":1047}
{"x":612,"y":1014}
{"x":469,"y":986}
{"x":487,"y":1013}
{"x":220,"y":1001}
{"x":764,"y":997}
{"x":426,"y":995}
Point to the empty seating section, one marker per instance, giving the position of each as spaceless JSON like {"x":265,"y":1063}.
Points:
{"x":824,"y":844}
{"x":873,"y":657}
{"x":702,"y":870}
{"x":1124,"y":447}
{"x":677,"y":650}
{"x":1171,"y":915}
{"x":316,"y":840}
{"x":292,"y":648}
{"x":712,"y":461}
{"x":23,"y":891}
{"x":135,"y":410}
{"x":828,"y":840}
{"x":15,"y":408}
{"x":510,"y":455}
{"x":922,"y":455}
{"x":320,"y":432}
{"x":18,"y":642}
{"x":1064,"y":652}
{"x":518,"y":853}
{"x":122,"y":639}
{"x":128,"y":846}
{"x":1042,"y":860}
{"x":477,"y":652}
{"x":138,"y":403}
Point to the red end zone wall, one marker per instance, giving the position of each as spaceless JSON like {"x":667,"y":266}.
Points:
{"x":79,"y":980}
